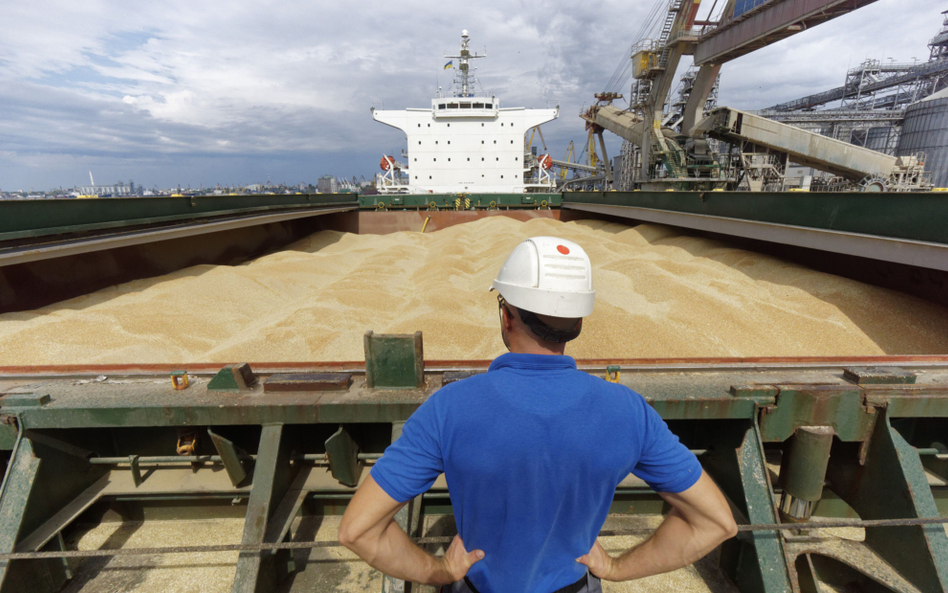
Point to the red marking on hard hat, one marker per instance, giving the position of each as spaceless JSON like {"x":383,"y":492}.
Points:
{"x":563,"y":249}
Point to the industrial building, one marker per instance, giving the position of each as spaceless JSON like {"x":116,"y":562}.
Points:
{"x":685,"y":146}
{"x":872,"y":107}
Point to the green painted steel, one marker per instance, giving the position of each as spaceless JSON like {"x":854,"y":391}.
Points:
{"x":44,"y":478}
{"x":709,"y":407}
{"x":35,"y":218}
{"x":224,"y":412}
{"x":403,"y":519}
{"x":804,"y":471}
{"x":837,"y":406}
{"x":21,"y":476}
{"x":230,"y":457}
{"x":693,"y":395}
{"x":757,"y":563}
{"x":890,"y":482}
{"x":726,"y":411}
{"x":8,"y":436}
{"x":272,"y":476}
{"x":918,"y":216}
{"x":233,"y":377}
{"x":343,"y":454}
{"x":910,"y":401}
{"x":394,"y":361}
{"x":460,"y":201}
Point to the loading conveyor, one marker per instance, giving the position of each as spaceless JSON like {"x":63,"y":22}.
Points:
{"x":805,"y":148}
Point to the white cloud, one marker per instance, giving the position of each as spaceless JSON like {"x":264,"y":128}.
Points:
{"x":153,"y":87}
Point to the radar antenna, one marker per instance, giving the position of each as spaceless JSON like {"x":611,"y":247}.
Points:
{"x":463,"y":78}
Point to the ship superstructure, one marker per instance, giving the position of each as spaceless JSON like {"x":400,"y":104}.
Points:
{"x":465,"y":143}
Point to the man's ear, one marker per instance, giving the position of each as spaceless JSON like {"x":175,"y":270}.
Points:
{"x":507,"y":315}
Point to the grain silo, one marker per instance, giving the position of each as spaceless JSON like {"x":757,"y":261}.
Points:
{"x":926,"y":130}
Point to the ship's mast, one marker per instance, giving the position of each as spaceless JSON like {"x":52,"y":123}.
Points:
{"x":463,"y":80}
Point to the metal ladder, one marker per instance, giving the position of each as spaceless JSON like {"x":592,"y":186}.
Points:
{"x":674,"y":7}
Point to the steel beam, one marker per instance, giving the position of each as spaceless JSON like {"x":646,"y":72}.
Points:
{"x":698,"y":98}
{"x":910,"y":74}
{"x":22,"y":219}
{"x":391,"y":584}
{"x":767,"y":24}
{"x":838,"y":406}
{"x":933,"y":256}
{"x":42,"y":481}
{"x":755,"y":561}
{"x":229,"y":457}
{"x":21,"y":476}
{"x":624,"y":124}
{"x":272,"y":477}
{"x":35,"y":252}
{"x":51,"y":528}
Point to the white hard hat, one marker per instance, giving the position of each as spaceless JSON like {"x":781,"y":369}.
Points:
{"x":548,"y":276}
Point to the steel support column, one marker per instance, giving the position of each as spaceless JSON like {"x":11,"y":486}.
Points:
{"x":755,"y":561}
{"x":390,"y":584}
{"x":272,"y":477}
{"x":694,"y":109}
{"x":22,"y":473}
{"x":42,"y":480}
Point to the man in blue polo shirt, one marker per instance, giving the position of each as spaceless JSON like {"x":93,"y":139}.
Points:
{"x":532,"y":452}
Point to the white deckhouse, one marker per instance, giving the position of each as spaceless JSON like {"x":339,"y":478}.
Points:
{"x":465,"y":143}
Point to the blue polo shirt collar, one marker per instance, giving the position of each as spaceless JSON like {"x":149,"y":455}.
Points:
{"x":540,"y":362}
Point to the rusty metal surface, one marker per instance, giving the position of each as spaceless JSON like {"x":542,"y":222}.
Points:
{"x":384,"y":223}
{"x":632,"y":364}
{"x":145,"y":396}
{"x":735,"y":412}
{"x":282,"y":382}
{"x":840,"y":406}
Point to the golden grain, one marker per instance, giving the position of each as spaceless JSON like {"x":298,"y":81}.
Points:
{"x":659,"y":294}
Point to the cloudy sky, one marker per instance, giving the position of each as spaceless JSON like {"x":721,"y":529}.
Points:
{"x":200,"y":93}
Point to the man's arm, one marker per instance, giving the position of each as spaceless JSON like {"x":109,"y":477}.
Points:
{"x":369,"y":529}
{"x":699,"y":521}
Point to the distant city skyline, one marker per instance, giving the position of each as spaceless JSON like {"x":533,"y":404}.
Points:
{"x":182,"y":93}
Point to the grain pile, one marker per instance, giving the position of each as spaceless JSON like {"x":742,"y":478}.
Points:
{"x":659,"y":294}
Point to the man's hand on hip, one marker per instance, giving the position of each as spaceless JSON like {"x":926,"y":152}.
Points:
{"x":699,"y":521}
{"x":369,"y":529}
{"x":599,"y":562}
{"x":457,"y":560}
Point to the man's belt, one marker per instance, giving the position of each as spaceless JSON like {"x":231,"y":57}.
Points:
{"x":574,"y":588}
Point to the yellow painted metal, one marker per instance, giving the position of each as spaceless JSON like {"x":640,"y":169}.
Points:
{"x":179,"y":380}
{"x":592,"y":159}
{"x":570,"y":150}
{"x":643,"y":63}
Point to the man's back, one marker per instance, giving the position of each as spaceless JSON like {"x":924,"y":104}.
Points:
{"x":532,"y":452}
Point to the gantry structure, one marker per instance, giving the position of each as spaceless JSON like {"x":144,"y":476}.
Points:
{"x":673,"y":148}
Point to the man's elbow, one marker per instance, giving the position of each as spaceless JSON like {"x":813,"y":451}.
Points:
{"x":731,"y":529}
{"x":727,"y":526}
{"x":348,"y":535}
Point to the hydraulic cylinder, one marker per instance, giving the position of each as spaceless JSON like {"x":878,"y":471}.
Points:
{"x":804,"y":472}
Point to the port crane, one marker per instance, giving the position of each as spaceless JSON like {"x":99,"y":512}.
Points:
{"x":684,"y":158}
